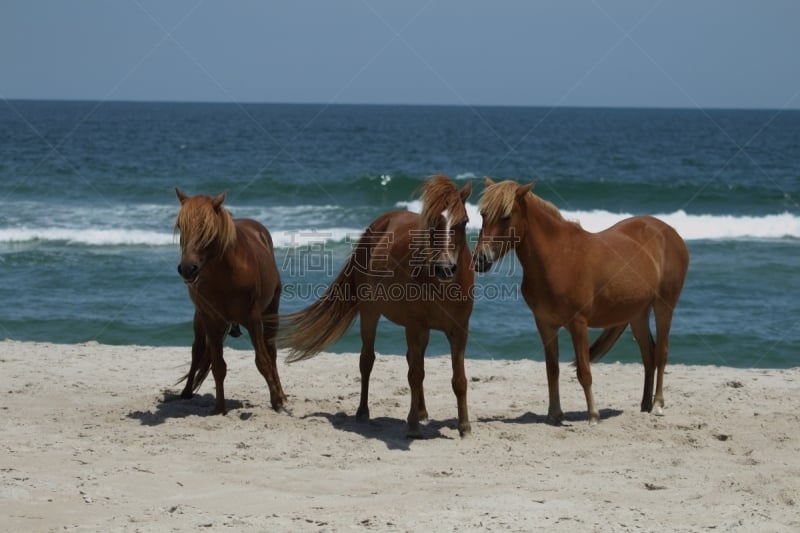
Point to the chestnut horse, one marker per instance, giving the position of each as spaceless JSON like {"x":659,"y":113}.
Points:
{"x":229,"y":268}
{"x":576,"y":279}
{"x":414,"y":269}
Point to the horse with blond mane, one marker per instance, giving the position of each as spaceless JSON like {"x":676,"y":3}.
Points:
{"x":576,"y":279}
{"x":413,"y":269}
{"x":229,"y":268}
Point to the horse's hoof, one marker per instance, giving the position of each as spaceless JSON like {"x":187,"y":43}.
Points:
{"x":415,"y":434}
{"x":362,"y":415}
{"x":464,"y":429}
{"x":187,"y":395}
{"x":594,"y":420}
{"x":555,"y":420}
{"x":658,"y":410}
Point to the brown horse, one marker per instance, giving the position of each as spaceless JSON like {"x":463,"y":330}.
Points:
{"x":229,"y":268}
{"x":414,"y":269}
{"x":576,"y":279}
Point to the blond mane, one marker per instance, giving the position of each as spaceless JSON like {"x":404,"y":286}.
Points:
{"x":201,"y":225}
{"x":439,"y":194}
{"x":498,"y":199}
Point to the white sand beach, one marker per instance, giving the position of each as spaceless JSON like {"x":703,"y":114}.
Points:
{"x":94,"y":438}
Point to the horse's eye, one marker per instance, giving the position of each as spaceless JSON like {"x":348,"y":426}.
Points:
{"x":505,"y":219}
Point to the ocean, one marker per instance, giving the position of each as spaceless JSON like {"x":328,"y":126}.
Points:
{"x":87,"y":207}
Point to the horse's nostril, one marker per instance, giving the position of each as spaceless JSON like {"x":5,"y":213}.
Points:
{"x":481,"y":263}
{"x":445,"y":271}
{"x":188,"y":270}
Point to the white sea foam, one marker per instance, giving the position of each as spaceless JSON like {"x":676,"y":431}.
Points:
{"x":305,"y":238}
{"x":288,"y":238}
{"x":466,"y":176}
{"x":700,"y":227}
{"x":306,"y":225}
{"x":690,"y":227}
{"x":87,"y":236}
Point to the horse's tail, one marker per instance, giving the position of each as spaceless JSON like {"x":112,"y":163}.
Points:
{"x":605,"y":341}
{"x":200,"y":375}
{"x":204,"y":367}
{"x":308,"y":331}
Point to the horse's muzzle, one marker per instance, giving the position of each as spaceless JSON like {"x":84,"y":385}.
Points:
{"x":189,"y":272}
{"x":481,"y":263}
{"x":445,"y":271}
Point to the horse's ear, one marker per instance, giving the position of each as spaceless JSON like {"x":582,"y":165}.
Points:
{"x":182,"y":197}
{"x":487,"y":181}
{"x":466,"y":191}
{"x":522,"y":190}
{"x":217,"y":202}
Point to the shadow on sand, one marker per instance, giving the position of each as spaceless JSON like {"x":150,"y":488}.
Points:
{"x":570,"y":418}
{"x":173,"y":406}
{"x":393,"y":432}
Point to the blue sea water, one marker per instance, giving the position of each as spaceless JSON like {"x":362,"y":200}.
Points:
{"x":87,"y":206}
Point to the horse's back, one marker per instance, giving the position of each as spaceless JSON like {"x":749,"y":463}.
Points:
{"x":676,"y":253}
{"x":396,"y":223}
{"x":663,"y":242}
{"x":255,"y":228}
{"x":388,"y":239}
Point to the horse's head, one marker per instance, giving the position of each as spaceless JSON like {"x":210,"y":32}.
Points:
{"x":206,"y":230}
{"x":501,"y":206}
{"x":444,"y":224}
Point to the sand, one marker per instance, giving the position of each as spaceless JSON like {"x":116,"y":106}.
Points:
{"x":94,"y":438}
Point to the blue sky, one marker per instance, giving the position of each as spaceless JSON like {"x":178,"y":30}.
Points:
{"x":669,"y":53}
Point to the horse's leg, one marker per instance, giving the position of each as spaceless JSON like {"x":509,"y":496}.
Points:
{"x":198,"y":355}
{"x":218,"y":367}
{"x":550,"y":341}
{"x":580,"y":340}
{"x":458,"y":344}
{"x":264,"y":362}
{"x":369,"y":326}
{"x":268,"y":365}
{"x":417,"y":338}
{"x":641,"y":332}
{"x":422,"y":408}
{"x":663,"y":312}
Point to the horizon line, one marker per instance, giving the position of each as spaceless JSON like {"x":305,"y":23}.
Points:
{"x":398,"y":104}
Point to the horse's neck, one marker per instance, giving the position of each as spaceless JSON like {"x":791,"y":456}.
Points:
{"x":227,"y":254}
{"x":545,"y":235}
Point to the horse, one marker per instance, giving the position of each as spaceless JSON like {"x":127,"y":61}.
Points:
{"x":576,"y":279}
{"x":229,"y":269}
{"x":415,"y":270}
